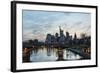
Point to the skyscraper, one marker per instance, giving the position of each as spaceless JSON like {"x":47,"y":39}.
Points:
{"x":61,"y":32}
{"x":67,"y":34}
{"x":62,"y":37}
{"x":75,"y":36}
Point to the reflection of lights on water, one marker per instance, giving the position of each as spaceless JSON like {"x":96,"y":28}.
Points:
{"x":52,"y":55}
{"x":25,"y":50}
{"x":71,"y":56}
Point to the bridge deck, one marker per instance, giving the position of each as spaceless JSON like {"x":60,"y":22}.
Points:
{"x":81,"y":53}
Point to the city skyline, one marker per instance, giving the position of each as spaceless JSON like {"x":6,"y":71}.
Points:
{"x":37,"y":24}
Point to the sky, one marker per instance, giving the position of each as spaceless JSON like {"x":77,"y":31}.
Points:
{"x":37,"y":24}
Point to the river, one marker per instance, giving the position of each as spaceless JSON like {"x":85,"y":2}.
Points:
{"x":52,"y":54}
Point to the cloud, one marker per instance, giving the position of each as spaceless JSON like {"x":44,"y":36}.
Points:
{"x":36,"y":24}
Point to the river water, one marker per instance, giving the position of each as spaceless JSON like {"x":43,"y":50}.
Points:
{"x":52,"y":54}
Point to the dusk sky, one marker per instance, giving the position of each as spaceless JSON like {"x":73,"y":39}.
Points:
{"x":37,"y":24}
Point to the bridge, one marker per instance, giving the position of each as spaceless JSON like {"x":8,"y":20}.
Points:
{"x":85,"y":55}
